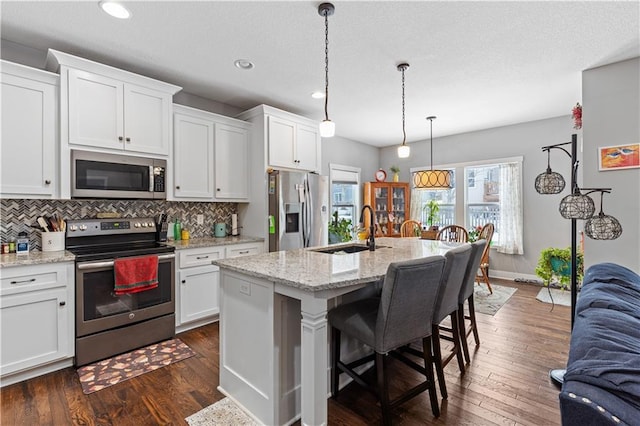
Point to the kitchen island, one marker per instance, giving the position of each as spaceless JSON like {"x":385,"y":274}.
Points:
{"x":274,"y":352}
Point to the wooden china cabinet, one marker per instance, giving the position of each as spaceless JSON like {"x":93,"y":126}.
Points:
{"x":390,"y":202}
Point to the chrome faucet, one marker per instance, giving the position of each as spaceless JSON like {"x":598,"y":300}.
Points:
{"x":371,"y":241}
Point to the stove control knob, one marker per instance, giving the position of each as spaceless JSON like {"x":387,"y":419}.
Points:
{"x":144,"y":224}
{"x":73,"y":228}
{"x":136,"y":225}
{"x":83,"y":227}
{"x":150,"y":224}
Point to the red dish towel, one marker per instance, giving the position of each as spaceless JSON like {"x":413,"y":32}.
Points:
{"x":135,"y":274}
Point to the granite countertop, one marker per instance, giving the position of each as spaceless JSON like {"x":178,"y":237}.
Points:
{"x":212,"y":241}
{"x":310,"y":270}
{"x":35,"y":258}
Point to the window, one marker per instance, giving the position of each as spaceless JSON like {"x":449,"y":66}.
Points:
{"x":345,"y":192}
{"x":491,"y":192}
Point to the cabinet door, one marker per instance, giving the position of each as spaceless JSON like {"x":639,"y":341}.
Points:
{"x":307,"y":142}
{"x":193,"y":158}
{"x":34,"y":329}
{"x":146,"y":120}
{"x":231,"y":162}
{"x":282,"y":139}
{"x":95,"y":110}
{"x":199,"y":293}
{"x":28,"y":155}
{"x":399,"y":207}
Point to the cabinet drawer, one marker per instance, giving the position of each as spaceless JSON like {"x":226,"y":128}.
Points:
{"x":244,"y":249}
{"x":200,"y":257}
{"x":34,"y":277}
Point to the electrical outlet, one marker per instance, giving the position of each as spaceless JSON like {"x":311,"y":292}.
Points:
{"x":200,"y":219}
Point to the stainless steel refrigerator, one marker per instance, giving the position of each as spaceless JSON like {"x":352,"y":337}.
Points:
{"x":298,"y":210}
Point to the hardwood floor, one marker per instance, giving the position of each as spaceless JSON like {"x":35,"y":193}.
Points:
{"x":505,"y":383}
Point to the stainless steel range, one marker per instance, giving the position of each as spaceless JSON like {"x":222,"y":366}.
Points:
{"x":108,"y":324}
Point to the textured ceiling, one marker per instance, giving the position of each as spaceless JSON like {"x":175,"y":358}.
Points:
{"x":475,"y":65}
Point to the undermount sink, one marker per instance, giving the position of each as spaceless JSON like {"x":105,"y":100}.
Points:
{"x":345,"y":249}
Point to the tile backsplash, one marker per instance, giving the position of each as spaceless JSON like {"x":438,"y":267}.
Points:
{"x":17,"y":214}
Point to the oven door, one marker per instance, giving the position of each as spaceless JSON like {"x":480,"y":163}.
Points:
{"x":98,"y":308}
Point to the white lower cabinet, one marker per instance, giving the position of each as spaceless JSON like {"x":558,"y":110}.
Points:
{"x":36,"y":317}
{"x":199,"y":288}
{"x":198,"y":282}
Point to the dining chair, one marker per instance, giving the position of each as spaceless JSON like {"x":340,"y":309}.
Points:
{"x":402,"y":314}
{"x":453,"y":233}
{"x":410,"y":228}
{"x":486,"y":233}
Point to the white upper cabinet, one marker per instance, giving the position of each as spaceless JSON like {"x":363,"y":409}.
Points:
{"x":290,"y":141}
{"x":292,"y":144}
{"x":28,"y":156}
{"x":112,"y":109}
{"x":192,"y":157}
{"x":210,"y":151}
{"x":108,"y":113}
{"x":232,"y":162}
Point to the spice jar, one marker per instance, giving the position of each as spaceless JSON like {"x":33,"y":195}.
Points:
{"x":12,"y":245}
{"x":5,"y":248}
{"x":185,"y":234}
{"x":22,"y":246}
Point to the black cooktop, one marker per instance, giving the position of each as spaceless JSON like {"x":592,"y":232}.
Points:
{"x":112,"y":251}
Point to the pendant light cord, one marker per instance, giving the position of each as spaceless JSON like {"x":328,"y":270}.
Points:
{"x":431,"y":140}
{"x":326,"y":64}
{"x":404,"y":133}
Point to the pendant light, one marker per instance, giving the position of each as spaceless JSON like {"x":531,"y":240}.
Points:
{"x":327,"y":127}
{"x":432,"y":179}
{"x":602,"y":226}
{"x":403,"y":150}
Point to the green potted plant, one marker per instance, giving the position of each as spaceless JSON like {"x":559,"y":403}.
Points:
{"x":555,"y":264}
{"x":395,"y":170}
{"x":431,"y":208}
{"x":339,"y":229}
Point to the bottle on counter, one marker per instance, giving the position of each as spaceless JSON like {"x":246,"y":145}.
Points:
{"x":12,"y":245}
{"x":185,"y":234}
{"x":177,"y":233}
{"x":22,"y":245}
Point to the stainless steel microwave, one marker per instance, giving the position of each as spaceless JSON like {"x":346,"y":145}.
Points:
{"x":99,"y":175}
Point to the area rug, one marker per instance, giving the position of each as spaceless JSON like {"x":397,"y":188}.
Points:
{"x":221,"y":413}
{"x":557,"y":297}
{"x":488,"y":303}
{"x":111,"y":371}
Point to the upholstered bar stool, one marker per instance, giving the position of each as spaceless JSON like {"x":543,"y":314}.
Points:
{"x":466,"y":294}
{"x":453,"y":276}
{"x":402,"y":314}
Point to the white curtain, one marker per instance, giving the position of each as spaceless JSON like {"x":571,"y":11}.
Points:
{"x":415,"y":209}
{"x":510,"y":232}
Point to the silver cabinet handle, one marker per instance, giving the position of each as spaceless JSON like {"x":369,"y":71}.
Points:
{"x":202,"y":257}
{"x":23,"y":281}
{"x":96,"y":265}
{"x":244,"y":252}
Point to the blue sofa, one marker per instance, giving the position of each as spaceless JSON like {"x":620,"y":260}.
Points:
{"x":602,"y":382}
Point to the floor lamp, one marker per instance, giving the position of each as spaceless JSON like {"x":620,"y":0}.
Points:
{"x":576,"y":205}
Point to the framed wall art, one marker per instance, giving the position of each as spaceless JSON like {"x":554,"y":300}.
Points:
{"x":619,"y":157}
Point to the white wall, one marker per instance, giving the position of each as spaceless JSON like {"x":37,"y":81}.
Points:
{"x":347,"y":152}
{"x":611,"y":112}
{"x":543,"y":225}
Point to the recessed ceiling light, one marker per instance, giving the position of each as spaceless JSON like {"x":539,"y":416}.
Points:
{"x":318,"y":95}
{"x":243,"y":64}
{"x":115,"y":9}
